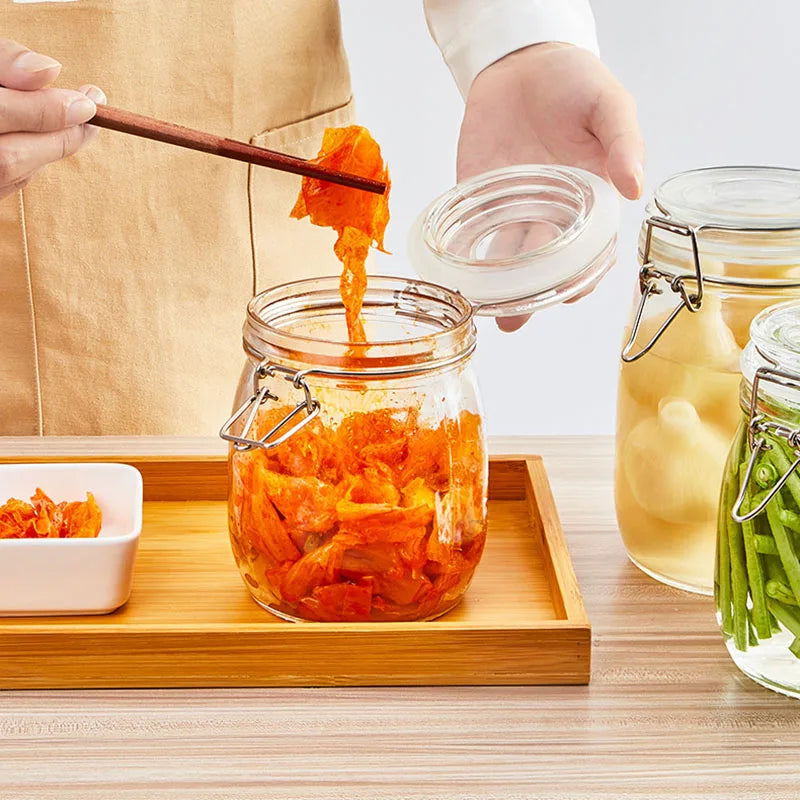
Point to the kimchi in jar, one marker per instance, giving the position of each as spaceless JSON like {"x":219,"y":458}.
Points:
{"x":358,"y":471}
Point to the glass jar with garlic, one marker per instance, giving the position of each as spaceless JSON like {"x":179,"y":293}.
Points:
{"x":718,"y":246}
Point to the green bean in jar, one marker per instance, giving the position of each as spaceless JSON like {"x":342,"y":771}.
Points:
{"x":757,"y":572}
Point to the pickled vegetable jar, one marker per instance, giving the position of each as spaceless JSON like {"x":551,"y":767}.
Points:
{"x":718,"y":246}
{"x":358,"y":472}
{"x":757,"y":576}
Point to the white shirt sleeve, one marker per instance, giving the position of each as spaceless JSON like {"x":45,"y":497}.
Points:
{"x":475,"y":33}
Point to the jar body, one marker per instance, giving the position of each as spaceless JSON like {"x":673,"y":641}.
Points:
{"x":375,"y":509}
{"x":677,"y":410}
{"x":757,"y":575}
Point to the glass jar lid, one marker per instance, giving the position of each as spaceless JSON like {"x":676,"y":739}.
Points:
{"x":771,"y":366}
{"x":774,"y":343}
{"x":755,"y":198}
{"x":741,"y":214}
{"x":518,"y":239}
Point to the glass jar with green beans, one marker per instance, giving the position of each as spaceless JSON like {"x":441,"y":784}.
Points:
{"x":757,"y":574}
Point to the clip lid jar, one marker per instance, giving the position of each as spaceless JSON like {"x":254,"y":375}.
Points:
{"x":358,"y":472}
{"x":717,"y":246}
{"x":757,"y":572}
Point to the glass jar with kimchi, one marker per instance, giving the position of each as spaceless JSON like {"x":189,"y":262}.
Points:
{"x":358,"y":470}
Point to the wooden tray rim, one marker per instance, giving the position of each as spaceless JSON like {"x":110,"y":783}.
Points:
{"x":563,"y":581}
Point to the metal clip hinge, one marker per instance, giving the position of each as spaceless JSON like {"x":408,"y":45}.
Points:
{"x":758,"y":425}
{"x":649,"y":276}
{"x":280,"y":432}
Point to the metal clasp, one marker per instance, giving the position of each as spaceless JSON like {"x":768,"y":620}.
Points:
{"x":308,"y":405}
{"x":649,"y":275}
{"x":759,"y":425}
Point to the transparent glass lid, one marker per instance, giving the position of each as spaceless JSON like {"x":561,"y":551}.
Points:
{"x":740,"y":198}
{"x":774,"y":341}
{"x":518,"y":239}
{"x":742,"y":216}
{"x":772,"y":361}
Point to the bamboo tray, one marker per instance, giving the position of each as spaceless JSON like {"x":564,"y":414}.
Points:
{"x":191,"y":622}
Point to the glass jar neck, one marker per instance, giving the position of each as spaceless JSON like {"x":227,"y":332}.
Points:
{"x":745,"y":259}
{"x":412,"y":327}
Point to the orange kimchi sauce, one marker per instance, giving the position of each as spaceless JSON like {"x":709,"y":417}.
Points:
{"x":44,"y":519}
{"x":375,"y":518}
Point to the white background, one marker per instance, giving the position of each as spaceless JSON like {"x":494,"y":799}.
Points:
{"x":716,"y":83}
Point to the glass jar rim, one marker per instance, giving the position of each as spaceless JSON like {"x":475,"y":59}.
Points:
{"x":439,"y":327}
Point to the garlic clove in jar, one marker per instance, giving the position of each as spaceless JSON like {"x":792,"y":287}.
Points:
{"x":740,"y":306}
{"x":701,"y":338}
{"x":681,"y":552}
{"x":630,"y":412}
{"x":673,"y":463}
{"x":696,"y":358}
{"x":718,"y":404}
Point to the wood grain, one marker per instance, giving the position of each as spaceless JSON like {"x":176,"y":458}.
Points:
{"x":666,"y":717}
{"x":567,"y":600}
{"x":191,"y":622}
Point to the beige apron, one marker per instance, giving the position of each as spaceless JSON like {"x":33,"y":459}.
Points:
{"x":125,"y":270}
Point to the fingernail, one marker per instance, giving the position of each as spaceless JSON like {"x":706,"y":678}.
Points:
{"x":511,"y":324}
{"x":80,"y":110}
{"x":36,"y":62}
{"x":638,"y":175}
{"x":96,"y":95}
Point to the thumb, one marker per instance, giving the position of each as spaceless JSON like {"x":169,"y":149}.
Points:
{"x":98,"y":97}
{"x":615,"y":124}
{"x":21,"y":68}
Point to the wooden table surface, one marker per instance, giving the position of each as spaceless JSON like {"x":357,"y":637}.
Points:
{"x":666,"y":715}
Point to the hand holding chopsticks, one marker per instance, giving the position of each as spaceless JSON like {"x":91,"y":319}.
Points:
{"x":160,"y":131}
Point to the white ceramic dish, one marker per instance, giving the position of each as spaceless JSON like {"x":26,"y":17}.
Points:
{"x":72,"y":576}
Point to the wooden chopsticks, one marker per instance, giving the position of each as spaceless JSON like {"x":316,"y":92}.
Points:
{"x":116,"y":119}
